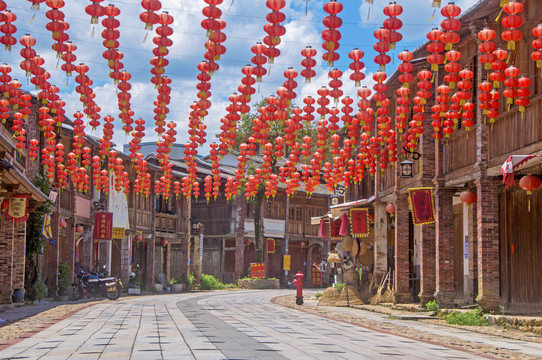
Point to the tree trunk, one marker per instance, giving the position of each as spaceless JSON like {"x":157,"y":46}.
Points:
{"x":240,"y":211}
{"x":258,"y":223}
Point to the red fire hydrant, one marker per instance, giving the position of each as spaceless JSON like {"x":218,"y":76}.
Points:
{"x":298,"y":282}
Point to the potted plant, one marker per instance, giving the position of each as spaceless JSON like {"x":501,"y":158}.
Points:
{"x":176,"y":285}
{"x":65,"y":278}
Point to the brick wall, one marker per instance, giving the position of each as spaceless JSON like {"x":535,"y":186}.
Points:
{"x":427,"y":263}
{"x":401,"y":282}
{"x":488,"y":243}
{"x":6,"y":252}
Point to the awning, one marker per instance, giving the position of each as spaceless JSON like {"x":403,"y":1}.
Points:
{"x":352,"y":204}
{"x":336,"y":210}
{"x":11,"y":175}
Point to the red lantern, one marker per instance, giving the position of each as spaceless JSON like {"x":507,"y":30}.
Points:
{"x":8,"y":28}
{"x":302,"y":244}
{"x":259,"y":60}
{"x":149,"y":16}
{"x":95,"y":11}
{"x":390,"y":208}
{"x":248,"y":242}
{"x":164,"y":242}
{"x":468,"y":197}
{"x":529,"y":183}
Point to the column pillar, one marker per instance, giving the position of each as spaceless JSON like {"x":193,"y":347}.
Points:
{"x":380,"y":241}
{"x":52,"y":266}
{"x":18,"y":264}
{"x":125,"y":255}
{"x":239,"y":211}
{"x":70,"y":243}
{"x":445,"y":290}
{"x":488,"y":243}
{"x":149,"y":262}
{"x":6,"y":255}
{"x":402,"y":290}
{"x":427,"y":263}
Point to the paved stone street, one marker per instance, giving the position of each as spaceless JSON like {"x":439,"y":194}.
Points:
{"x":245,"y":325}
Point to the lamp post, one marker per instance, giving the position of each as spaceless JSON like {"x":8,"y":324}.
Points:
{"x":406,"y":168}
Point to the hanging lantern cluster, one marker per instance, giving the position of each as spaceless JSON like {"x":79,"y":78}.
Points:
{"x":28,"y":54}
{"x":95,"y":10}
{"x":498,"y":66}
{"x":57,"y":26}
{"x":214,"y":26}
{"x":536,"y":55}
{"x":435,"y":48}
{"x":392,"y":23}
{"x":259,"y":60}
{"x":331,"y":34}
{"x":149,"y":16}
{"x":7,"y":28}
{"x":356,"y":66}
{"x":450,"y":25}
{"x":512,"y":22}
{"x":308,"y":63}
{"x":487,"y":47}
{"x":523,"y":93}
{"x":382,"y":47}
{"x":87,"y":95}
{"x":511,"y":83}
{"x":69,"y":58}
{"x":403,"y":100}
{"x":274,"y":29}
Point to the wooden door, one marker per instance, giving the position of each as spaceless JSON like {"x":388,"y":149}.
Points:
{"x":458,"y":251}
{"x":521,"y":248}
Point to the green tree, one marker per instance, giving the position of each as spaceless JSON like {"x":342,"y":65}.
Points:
{"x":276,"y":129}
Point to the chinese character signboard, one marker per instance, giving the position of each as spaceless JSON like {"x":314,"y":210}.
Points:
{"x":16,"y":208}
{"x":257,"y":270}
{"x":103,"y":226}
{"x":118,"y":233}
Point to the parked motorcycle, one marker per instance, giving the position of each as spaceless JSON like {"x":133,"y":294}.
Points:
{"x":91,"y":285}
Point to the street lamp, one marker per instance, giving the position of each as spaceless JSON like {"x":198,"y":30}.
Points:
{"x":406,"y":169}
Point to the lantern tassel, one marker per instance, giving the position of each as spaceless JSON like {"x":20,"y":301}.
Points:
{"x":229,"y":7}
{"x":432,"y":15}
{"x":32,"y":19}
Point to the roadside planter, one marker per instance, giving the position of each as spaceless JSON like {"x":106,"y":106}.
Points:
{"x":158,"y":287}
{"x":258,"y":284}
{"x":134,"y":291}
{"x":177,"y":287}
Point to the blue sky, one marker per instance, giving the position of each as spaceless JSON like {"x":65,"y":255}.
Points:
{"x":245,"y":20}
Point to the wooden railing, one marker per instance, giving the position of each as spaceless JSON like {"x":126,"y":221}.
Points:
{"x":460,"y":151}
{"x":166,"y":223}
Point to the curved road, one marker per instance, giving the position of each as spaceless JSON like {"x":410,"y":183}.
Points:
{"x":214,"y":325}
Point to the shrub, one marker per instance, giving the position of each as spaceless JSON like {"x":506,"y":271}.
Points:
{"x":209,"y":282}
{"x":339,"y":287}
{"x":41,"y":290}
{"x":318,"y":295}
{"x":431,"y":306}
{"x":230,"y":286}
{"x":470,"y":318}
{"x":65,"y":277}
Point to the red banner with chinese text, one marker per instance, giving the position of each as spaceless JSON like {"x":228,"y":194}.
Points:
{"x":103,"y":226}
{"x":423,"y":208}
{"x":17,"y":208}
{"x":359,"y":223}
{"x":270,"y":246}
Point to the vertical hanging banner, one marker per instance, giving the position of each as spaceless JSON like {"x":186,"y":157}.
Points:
{"x":17,"y":208}
{"x":103,"y":226}
{"x":286,"y":263}
{"x":335,"y":227}
{"x":423,"y":208}
{"x":323,"y":230}
{"x":359,"y":222}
